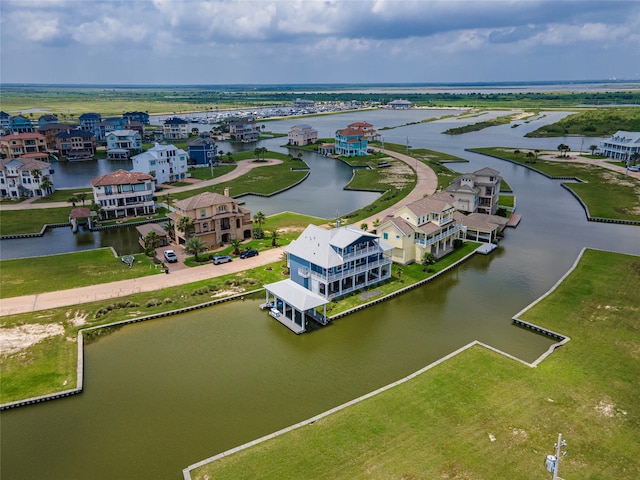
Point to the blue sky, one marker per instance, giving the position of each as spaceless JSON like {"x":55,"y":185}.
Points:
{"x":308,"y":41}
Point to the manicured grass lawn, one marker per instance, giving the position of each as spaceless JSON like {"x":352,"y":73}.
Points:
{"x":606,"y":193}
{"x":26,"y":276}
{"x":204,"y":173}
{"x":506,"y":201}
{"x":64,"y":195}
{"x":31,"y":221}
{"x":43,"y":367}
{"x":439,"y":425}
{"x":265,"y":180}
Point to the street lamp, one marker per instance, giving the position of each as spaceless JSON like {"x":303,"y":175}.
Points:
{"x":552,"y":462}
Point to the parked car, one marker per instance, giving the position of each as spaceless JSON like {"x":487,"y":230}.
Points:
{"x":218,"y":259}
{"x":170,"y":256}
{"x":249,"y":253}
{"x":634,"y":168}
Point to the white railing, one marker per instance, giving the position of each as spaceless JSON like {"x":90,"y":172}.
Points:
{"x":439,"y":237}
{"x":330,"y":277}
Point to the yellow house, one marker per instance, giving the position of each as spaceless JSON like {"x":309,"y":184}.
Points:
{"x":424,"y":226}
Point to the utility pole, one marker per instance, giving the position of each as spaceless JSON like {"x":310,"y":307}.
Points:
{"x":553,"y":461}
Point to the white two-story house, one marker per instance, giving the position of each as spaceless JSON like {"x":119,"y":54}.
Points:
{"x":166,"y":163}
{"x":25,"y":177}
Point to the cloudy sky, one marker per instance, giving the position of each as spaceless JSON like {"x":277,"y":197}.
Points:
{"x":308,"y":41}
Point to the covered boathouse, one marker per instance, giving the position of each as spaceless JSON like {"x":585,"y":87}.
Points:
{"x":292,"y":304}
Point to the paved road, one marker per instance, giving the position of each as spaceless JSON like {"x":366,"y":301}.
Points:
{"x":243,"y":167}
{"x":427,"y":184}
{"x":92,"y":293}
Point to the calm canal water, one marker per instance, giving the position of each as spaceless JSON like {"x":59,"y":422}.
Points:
{"x":165,"y":394}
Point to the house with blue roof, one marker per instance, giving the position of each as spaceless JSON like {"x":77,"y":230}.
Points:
{"x":20,"y":124}
{"x":325,"y":265}
{"x":202,"y":150}
{"x":88,"y":121}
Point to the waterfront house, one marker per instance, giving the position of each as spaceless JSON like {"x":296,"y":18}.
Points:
{"x":621,"y":146}
{"x":50,"y":130}
{"x":427,"y":225}
{"x":20,"y":124}
{"x":175,"y":128}
{"x":47,"y":119}
{"x":23,"y":177}
{"x":244,"y":129}
{"x":202,"y":150}
{"x":5,"y":122}
{"x":302,"y":134}
{"x":166,"y":163}
{"x":141,"y":117}
{"x":217,"y":219}
{"x":481,"y":227}
{"x":350,"y":142}
{"x":74,"y":144}
{"x":123,"y":193}
{"x":121,"y":144}
{"x":88,"y":121}
{"x":16,"y":145}
{"x":367,"y":130}
{"x":325,"y":265}
{"x":478,"y":191}
{"x":400,"y":104}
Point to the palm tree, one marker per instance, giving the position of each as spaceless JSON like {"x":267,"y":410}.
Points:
{"x":563,"y":149}
{"x":195,"y":246}
{"x":364,"y":226}
{"x":46,"y":184}
{"x":274,"y":238}
{"x":428,"y":259}
{"x":195,"y":131}
{"x":168,"y":227}
{"x":235,"y":243}
{"x":82,"y":196}
{"x":72,"y":200}
{"x":259,"y":218}
{"x":257,"y":151}
{"x":151,"y":242}
{"x":186,"y":226}
{"x":530,"y":156}
{"x":593,"y":149}
{"x":229,"y":157}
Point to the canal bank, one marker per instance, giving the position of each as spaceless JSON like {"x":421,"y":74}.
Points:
{"x":168,"y":393}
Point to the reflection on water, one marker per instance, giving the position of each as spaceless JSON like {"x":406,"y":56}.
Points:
{"x":165,"y":394}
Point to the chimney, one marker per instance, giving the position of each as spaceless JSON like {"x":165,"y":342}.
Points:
{"x":226,"y":191}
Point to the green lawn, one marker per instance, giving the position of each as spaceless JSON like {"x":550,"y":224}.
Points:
{"x":596,"y":122}
{"x":31,"y":221}
{"x":42,"y":368}
{"x":26,"y":276}
{"x":266,"y":180}
{"x":440,"y":425}
{"x":606,"y":193}
{"x":64,"y":195}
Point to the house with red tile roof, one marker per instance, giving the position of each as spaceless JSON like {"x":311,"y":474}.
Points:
{"x":124,"y":194}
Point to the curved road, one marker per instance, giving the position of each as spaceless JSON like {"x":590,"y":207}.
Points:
{"x":426,"y":185}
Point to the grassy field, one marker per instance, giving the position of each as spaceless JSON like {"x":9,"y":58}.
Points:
{"x":483,"y":416}
{"x":266,"y":180}
{"x":24,"y":276}
{"x":44,"y":367}
{"x":31,"y":221}
{"x":599,"y":122}
{"x":606,"y":193}
{"x":474,"y":127}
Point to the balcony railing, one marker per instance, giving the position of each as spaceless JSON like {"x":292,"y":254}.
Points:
{"x":349,"y":272}
{"x":425,"y":242}
{"x":362,"y":252}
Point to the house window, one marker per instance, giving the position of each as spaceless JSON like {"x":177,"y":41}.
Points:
{"x":385,"y":235}
{"x":222,"y":208}
{"x":203,"y":213}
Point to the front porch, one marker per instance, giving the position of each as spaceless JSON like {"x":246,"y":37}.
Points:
{"x":292,"y":305}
